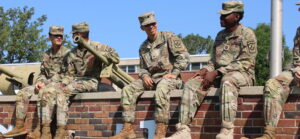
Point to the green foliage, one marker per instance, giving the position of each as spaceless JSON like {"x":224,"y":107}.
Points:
{"x":20,"y":37}
{"x":262,"y":68}
{"x":197,"y":44}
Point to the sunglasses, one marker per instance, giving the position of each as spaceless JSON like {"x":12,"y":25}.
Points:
{"x":152,"y":24}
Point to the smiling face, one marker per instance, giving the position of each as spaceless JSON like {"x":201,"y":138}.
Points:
{"x":56,"y":40}
{"x":151,"y":30}
{"x":229,"y":20}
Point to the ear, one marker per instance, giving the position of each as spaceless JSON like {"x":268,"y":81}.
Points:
{"x":142,"y":28}
{"x":237,"y":16}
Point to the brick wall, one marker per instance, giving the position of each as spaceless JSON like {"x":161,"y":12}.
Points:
{"x":92,"y":117}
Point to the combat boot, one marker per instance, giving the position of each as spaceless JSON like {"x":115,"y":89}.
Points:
{"x":60,"y":132}
{"x":160,"y":131}
{"x":36,"y":134}
{"x":183,"y":132}
{"x":269,"y":133}
{"x":46,"y":134}
{"x":126,"y":133}
{"x":19,"y":129}
{"x":225,"y":134}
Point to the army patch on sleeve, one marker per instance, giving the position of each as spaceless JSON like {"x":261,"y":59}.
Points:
{"x":177,"y":43}
{"x":252,"y":48}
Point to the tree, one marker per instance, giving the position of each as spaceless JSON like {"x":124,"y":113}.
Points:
{"x":20,"y":37}
{"x":262,"y":68}
{"x":197,"y":44}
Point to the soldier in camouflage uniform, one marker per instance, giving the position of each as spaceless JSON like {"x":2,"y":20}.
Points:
{"x":231,"y":66}
{"x":82,"y":75}
{"x":277,"y":90}
{"x":162,"y":57}
{"x":51,"y":70}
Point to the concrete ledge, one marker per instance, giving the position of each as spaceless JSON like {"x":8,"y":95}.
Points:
{"x":254,"y":90}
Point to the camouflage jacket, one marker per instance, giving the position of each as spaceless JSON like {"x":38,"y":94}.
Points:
{"x":52,"y":67}
{"x":235,"y":51}
{"x":166,"y":54}
{"x":81,"y":64}
{"x":296,"y":52}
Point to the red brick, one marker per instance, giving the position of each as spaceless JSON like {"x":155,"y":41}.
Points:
{"x":81,"y":121}
{"x":73,"y":127}
{"x":9,"y":109}
{"x":252,"y":115}
{"x":32,"y":109}
{"x":72,"y":109}
{"x":243,"y":122}
{"x":86,"y":127}
{"x":144,"y":115}
{"x":252,"y":99}
{"x":260,"y":122}
{"x":111,"y":108}
{"x":286,"y":123}
{"x":200,"y":114}
{"x":237,"y":130}
{"x":245,"y":107}
{"x":97,"y":108}
{"x":211,"y":129}
{"x":3,"y":115}
{"x":80,"y":109}
{"x":285,"y":137}
{"x":289,"y":107}
{"x":258,"y":107}
{"x":101,"y":115}
{"x":286,"y":130}
{"x":206,"y":107}
{"x":107,"y":121}
{"x":94,"y":133}
{"x":146,"y":102}
{"x":114,"y":102}
{"x":195,"y":129}
{"x":101,"y":102}
{"x":212,"y":114}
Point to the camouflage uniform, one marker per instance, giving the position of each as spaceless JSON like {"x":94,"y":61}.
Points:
{"x":277,"y":89}
{"x":166,"y":54}
{"x":83,"y":70}
{"x":234,"y":56}
{"x":51,"y":71}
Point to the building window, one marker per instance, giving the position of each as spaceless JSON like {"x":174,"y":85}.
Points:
{"x":195,"y":66}
{"x":130,"y":68}
{"x":123,"y":68}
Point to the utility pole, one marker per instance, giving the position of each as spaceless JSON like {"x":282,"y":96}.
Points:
{"x":276,"y":38}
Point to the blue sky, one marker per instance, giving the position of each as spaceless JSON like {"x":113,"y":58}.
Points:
{"x":114,"y":22}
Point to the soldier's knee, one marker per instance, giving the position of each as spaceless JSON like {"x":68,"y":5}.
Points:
{"x":272,"y":87}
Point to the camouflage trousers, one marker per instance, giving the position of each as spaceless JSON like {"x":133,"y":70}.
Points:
{"x":276,"y":92}
{"x":131,"y":92}
{"x":22,"y":101}
{"x":193,"y":96}
{"x":59,"y":96}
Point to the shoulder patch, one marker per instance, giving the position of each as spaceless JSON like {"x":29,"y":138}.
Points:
{"x":251,"y":45}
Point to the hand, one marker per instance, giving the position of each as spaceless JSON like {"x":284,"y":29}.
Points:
{"x":62,"y":85}
{"x":39,"y":86}
{"x":172,"y":76}
{"x":148,"y":82}
{"x":201,"y":72}
{"x":209,"y":78}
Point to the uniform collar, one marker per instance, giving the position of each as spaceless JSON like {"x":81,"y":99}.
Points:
{"x":158,"y":40}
